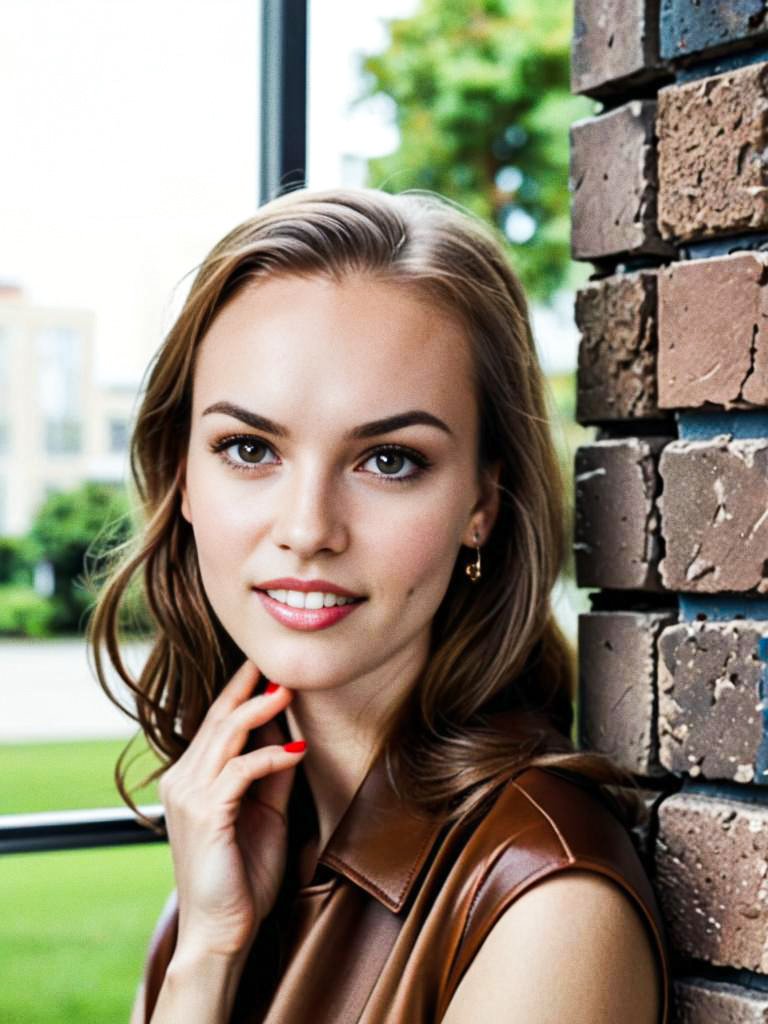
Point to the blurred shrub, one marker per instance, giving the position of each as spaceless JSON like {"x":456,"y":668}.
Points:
{"x":17,"y":560}
{"x":23,"y":612}
{"x":73,"y":526}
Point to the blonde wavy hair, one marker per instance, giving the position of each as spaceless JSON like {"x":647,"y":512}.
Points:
{"x":496,"y":645}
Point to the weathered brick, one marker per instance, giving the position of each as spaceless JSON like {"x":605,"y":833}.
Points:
{"x":712,"y":878}
{"x":711,"y":26}
{"x":617,"y":354}
{"x":713,"y":178}
{"x":713,"y":332}
{"x":710,"y":711}
{"x":613,"y":184}
{"x":714,"y":515}
{"x":700,"y":1001}
{"x":616,"y":524}
{"x":617,"y":686}
{"x":615,"y":46}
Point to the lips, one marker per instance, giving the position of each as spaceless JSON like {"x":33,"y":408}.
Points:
{"x":306,"y":618}
{"x":322,"y":586}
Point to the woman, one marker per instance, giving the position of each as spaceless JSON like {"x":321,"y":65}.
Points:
{"x":374,"y":808}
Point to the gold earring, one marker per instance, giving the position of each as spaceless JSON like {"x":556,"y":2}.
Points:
{"x":473,"y":570}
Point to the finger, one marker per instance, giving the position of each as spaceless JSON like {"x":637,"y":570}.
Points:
{"x":237,"y":689}
{"x":270,"y":732}
{"x":240,"y":772}
{"x":227,"y":738}
{"x":274,"y":790}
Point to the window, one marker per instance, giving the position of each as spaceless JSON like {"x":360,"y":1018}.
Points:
{"x":60,"y":388}
{"x":5,"y":432}
{"x":117,"y":430}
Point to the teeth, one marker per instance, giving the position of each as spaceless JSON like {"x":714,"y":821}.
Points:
{"x":313,"y":599}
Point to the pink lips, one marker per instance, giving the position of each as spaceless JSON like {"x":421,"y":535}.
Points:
{"x":306,"y":618}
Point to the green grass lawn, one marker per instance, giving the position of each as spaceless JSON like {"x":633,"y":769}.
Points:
{"x":75,"y":924}
{"x":74,"y":931}
{"x":62,"y":776}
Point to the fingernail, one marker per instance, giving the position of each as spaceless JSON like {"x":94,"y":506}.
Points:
{"x":295,"y":746}
{"x":271,"y":687}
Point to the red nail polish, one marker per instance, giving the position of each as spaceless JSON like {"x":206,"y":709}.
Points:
{"x":295,"y":746}
{"x":271,"y":687}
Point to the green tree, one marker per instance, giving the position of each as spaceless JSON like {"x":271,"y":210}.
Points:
{"x":481,"y":89}
{"x":17,"y":557}
{"x":70,"y":527}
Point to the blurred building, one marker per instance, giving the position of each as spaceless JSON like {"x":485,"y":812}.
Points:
{"x":57,"y":428}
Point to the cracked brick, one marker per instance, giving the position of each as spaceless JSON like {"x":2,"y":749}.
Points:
{"x":612,"y":182}
{"x":712,"y":138}
{"x":710,"y":710}
{"x":714,"y":515}
{"x":713,"y":332}
{"x":712,"y":878}
{"x":615,"y":46}
{"x":616,"y":523}
{"x":617,"y":353}
{"x":617,"y":686}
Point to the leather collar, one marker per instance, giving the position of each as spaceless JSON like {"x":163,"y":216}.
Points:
{"x":381,"y":843}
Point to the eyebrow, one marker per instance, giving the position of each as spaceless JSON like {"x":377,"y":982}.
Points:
{"x":365,"y":430}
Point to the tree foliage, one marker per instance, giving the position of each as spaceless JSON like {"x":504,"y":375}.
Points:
{"x":72,"y":530}
{"x":482,"y":94}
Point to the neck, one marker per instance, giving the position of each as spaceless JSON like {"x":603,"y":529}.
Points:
{"x":343,"y":728}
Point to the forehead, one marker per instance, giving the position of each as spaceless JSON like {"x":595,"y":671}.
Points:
{"x":345,"y":349}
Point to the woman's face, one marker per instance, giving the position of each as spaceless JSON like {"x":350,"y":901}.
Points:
{"x":305,"y":498}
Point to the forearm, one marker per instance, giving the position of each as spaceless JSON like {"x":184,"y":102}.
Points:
{"x":198,"y":988}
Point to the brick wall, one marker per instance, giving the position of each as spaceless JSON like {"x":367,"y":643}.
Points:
{"x":669,"y":188}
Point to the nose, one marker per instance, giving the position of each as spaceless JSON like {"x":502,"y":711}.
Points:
{"x":308,"y":514}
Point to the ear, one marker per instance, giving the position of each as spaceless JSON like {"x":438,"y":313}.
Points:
{"x":186,"y":511}
{"x":486,"y":508}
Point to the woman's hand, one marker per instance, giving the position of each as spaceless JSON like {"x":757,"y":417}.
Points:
{"x":229,"y":845}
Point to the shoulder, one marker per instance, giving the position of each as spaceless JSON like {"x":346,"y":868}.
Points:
{"x":549,"y":858}
{"x":544,"y":819}
{"x":573,"y":947}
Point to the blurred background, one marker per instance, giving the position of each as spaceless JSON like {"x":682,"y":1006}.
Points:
{"x":130,"y":146}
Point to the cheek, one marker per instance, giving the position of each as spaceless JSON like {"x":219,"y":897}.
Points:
{"x":416,"y":556}
{"x":222,"y":526}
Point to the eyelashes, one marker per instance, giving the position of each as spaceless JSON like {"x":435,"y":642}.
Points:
{"x":420,"y":461}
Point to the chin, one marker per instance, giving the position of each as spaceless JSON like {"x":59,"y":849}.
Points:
{"x":296,"y":670}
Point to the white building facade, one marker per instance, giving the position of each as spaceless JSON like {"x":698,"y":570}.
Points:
{"x":57,"y":429}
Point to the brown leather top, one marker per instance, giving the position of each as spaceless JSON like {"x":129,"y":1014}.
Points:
{"x":399,"y":904}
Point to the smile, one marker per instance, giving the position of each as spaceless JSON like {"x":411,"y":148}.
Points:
{"x":312,"y":599}
{"x":306,"y":617}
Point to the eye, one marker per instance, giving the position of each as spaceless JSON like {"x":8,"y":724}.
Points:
{"x":249,"y":450}
{"x":389,"y":458}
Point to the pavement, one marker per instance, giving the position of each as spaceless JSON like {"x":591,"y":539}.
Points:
{"x":48,"y":691}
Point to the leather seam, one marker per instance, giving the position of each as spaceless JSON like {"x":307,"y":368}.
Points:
{"x":566,"y":848}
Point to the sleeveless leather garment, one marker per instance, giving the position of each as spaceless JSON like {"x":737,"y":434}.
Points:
{"x":399,"y":905}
